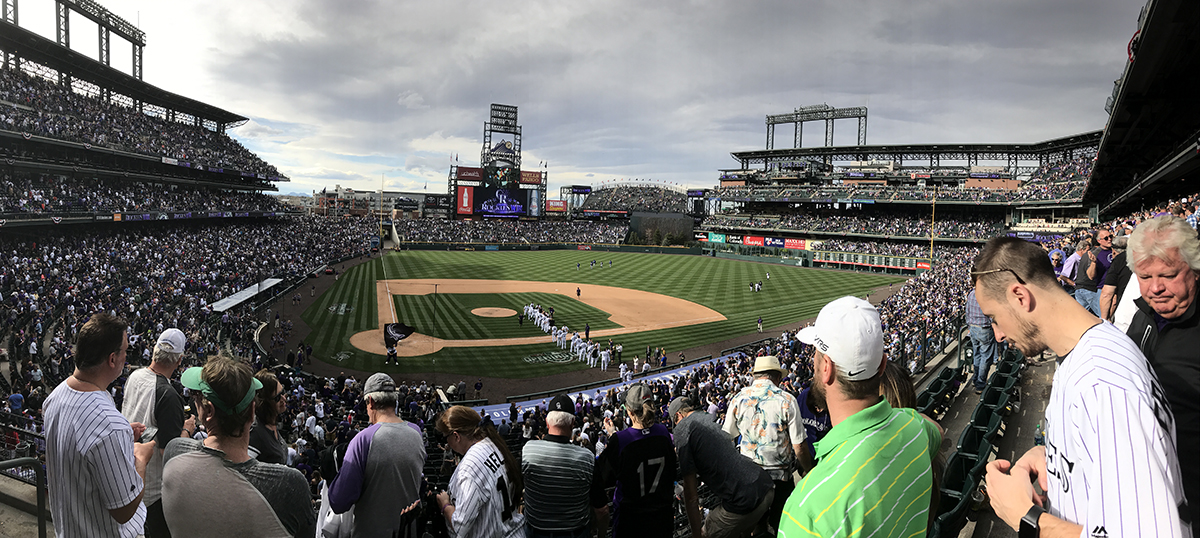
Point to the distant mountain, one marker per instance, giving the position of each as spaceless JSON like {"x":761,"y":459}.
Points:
{"x":300,"y":194}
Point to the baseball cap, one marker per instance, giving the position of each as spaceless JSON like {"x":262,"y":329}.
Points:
{"x":848,"y":330}
{"x":767,"y":363}
{"x":563,"y":403}
{"x":379,"y":382}
{"x":172,"y":340}
{"x":192,"y":378}
{"x":637,"y":394}
{"x":677,"y":404}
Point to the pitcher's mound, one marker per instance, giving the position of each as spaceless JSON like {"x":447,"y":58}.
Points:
{"x":494,"y":312}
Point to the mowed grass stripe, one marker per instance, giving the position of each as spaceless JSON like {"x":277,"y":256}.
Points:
{"x":790,"y":295}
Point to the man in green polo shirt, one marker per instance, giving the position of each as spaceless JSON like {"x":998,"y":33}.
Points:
{"x":873,"y":475}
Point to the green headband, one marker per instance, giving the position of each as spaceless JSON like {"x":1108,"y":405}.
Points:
{"x":192,"y":379}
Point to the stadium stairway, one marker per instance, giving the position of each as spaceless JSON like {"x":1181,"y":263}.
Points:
{"x":1000,"y":423}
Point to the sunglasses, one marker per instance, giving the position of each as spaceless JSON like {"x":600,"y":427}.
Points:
{"x":1014,"y":274}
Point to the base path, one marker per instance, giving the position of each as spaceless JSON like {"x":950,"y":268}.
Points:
{"x":633,"y":310}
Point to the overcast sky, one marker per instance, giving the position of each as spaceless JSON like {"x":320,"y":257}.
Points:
{"x":348,"y":92}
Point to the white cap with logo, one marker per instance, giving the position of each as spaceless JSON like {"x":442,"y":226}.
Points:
{"x":848,"y":330}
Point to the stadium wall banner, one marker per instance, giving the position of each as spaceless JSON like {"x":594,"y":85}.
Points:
{"x":1030,"y":236}
{"x":733,"y":239}
{"x":716,"y":237}
{"x":773,"y":242}
{"x":466,"y":197}
{"x":701,"y":236}
{"x":470,"y":173}
{"x":695,"y":193}
{"x":181,"y":215}
{"x":581,"y":189}
{"x":753,"y":240}
{"x":556,"y":206}
{"x":116,"y":217}
{"x":534,"y":178}
{"x":584,"y":247}
{"x":922,"y":265}
{"x":795,"y":244}
{"x":104,"y":217}
{"x":491,"y":247}
{"x":170,"y":161}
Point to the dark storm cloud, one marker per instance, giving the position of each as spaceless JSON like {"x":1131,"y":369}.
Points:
{"x":669,"y":89}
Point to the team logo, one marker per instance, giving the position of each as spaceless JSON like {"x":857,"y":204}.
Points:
{"x":340,"y":309}
{"x":343,"y":356}
{"x":552,"y":357}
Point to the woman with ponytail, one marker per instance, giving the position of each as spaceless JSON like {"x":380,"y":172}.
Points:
{"x":640,"y":462}
{"x":485,"y":489}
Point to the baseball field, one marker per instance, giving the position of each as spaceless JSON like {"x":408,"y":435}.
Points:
{"x":464,"y":306}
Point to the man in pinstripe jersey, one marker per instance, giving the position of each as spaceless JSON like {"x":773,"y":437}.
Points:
{"x":95,"y":469}
{"x":1109,"y":467}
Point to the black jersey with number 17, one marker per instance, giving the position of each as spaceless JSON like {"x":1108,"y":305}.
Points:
{"x":642,"y":466}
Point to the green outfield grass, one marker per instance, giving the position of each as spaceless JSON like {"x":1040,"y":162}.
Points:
{"x":791,"y":294}
{"x":448,"y":316}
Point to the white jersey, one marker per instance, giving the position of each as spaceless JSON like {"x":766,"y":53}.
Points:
{"x":89,"y":458}
{"x":1110,"y":442}
{"x":482,"y":495}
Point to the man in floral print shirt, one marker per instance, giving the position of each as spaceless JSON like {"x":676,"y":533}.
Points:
{"x":768,"y":420}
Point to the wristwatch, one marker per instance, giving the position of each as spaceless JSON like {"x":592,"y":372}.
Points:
{"x":1029,"y":523}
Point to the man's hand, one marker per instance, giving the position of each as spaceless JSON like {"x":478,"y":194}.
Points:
{"x":138,"y":430}
{"x":141,"y":456}
{"x":1033,"y":463}
{"x":189,"y":425}
{"x":1011,"y":494}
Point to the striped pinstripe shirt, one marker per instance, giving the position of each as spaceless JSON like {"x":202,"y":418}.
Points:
{"x":483,"y":496}
{"x":873,"y":478}
{"x":1110,"y":442}
{"x":558,"y":478}
{"x":89,"y":460}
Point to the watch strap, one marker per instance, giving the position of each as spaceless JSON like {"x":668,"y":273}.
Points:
{"x":1029,"y":523}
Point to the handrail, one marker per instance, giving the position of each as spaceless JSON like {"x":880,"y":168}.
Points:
{"x":41,"y":487}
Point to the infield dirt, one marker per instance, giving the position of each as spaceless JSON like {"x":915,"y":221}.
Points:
{"x":634,"y":310}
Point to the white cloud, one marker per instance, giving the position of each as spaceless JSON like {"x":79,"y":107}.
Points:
{"x":412,"y":100}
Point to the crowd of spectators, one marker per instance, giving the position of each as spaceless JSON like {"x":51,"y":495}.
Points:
{"x":175,"y":284}
{"x":649,"y":199}
{"x":50,"y":284}
{"x":45,"y":194}
{"x":979,"y":227}
{"x":509,"y":231}
{"x":37,"y":106}
{"x":1060,"y":180}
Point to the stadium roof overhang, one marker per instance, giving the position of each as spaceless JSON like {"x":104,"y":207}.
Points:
{"x":1149,"y":149}
{"x":928,"y":153}
{"x":36,"y":48}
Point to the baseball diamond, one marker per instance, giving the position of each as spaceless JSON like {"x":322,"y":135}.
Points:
{"x":658,"y":300}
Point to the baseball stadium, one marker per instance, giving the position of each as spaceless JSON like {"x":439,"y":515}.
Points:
{"x":376,"y":361}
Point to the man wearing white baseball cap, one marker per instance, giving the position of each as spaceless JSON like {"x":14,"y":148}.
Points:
{"x":152,"y":400}
{"x":873,"y":467}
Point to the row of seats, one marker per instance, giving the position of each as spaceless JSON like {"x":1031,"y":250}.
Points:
{"x":965,"y":467}
{"x":939,"y":395}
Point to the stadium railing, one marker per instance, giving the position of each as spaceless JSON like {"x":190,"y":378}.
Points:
{"x":40,"y":477}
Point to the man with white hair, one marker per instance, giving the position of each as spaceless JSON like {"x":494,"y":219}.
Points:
{"x":1164,"y":254}
{"x":152,"y":400}
{"x":558,"y":477}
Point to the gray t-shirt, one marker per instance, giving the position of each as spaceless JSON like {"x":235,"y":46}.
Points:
{"x":380,"y":476}
{"x":284,"y":488}
{"x":704,"y":449}
{"x":558,"y":479}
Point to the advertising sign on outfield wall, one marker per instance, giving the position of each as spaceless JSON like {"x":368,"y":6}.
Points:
{"x":773,"y":242}
{"x":753,"y":240}
{"x":716,"y":237}
{"x":796,"y":244}
{"x":466,"y":200}
{"x":733,"y":239}
{"x":556,"y":206}
{"x":701,"y":236}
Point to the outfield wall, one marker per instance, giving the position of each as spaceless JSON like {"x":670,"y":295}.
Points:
{"x":695,"y":251}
